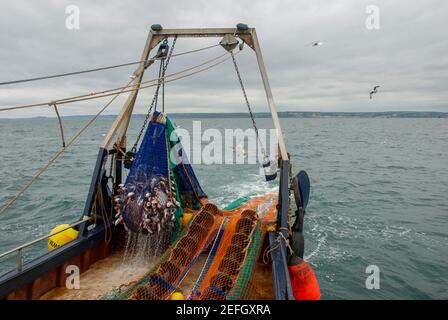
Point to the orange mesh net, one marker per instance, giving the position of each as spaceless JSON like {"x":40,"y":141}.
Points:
{"x":232,"y":240}
{"x":229,"y":274}
{"x":229,"y":257}
{"x":164,"y":280}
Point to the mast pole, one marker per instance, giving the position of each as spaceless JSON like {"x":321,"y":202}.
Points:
{"x":122,"y":120}
{"x":282,"y":281}
{"x":269,"y":96}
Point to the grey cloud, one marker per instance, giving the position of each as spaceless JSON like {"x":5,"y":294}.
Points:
{"x":407,"y":56}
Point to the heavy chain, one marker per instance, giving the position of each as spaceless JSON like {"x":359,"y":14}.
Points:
{"x":263,"y":151}
{"x":156,"y":94}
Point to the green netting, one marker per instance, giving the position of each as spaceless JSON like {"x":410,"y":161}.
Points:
{"x":237,"y":203}
{"x":184,"y":172}
{"x":241,"y":283}
{"x":179,"y":211}
{"x":240,"y":287}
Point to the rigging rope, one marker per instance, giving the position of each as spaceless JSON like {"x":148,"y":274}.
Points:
{"x":99,"y":202}
{"x":98,"y":69}
{"x":61,"y":127}
{"x":101,"y":94}
{"x":57,"y":155}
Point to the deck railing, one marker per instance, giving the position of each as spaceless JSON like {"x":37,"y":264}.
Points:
{"x":20,"y":248}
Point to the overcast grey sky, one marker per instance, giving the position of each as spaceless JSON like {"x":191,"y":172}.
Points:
{"x":407,"y":56}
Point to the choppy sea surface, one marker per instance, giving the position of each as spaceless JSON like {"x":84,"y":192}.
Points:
{"x":379,"y":194}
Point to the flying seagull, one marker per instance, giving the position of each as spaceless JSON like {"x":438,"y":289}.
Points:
{"x":375,"y":90}
{"x":315,"y":44}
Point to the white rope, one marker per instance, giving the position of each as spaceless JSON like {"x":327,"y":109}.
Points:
{"x":56,"y":156}
{"x":98,"y":69}
{"x":104,"y":93}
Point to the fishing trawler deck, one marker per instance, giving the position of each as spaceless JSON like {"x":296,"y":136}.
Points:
{"x":117,"y":270}
{"x":239,"y":253}
{"x":103,"y":276}
{"x":112,"y":272}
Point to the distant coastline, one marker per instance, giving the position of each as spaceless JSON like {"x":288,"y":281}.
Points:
{"x":288,"y":114}
{"x":313,"y":114}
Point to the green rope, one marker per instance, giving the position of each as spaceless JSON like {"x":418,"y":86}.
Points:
{"x":240,"y":287}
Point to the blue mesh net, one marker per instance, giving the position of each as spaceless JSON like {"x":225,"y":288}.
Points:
{"x":157,"y":189}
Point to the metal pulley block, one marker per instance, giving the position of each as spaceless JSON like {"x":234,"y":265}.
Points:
{"x":229,"y":42}
{"x":162,"y":52}
{"x":128,"y":159}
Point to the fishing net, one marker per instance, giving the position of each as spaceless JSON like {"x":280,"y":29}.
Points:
{"x":231,"y":241}
{"x":233,"y":263}
{"x":161,"y":185}
{"x":234,"y":245}
{"x":177,"y":260}
{"x":190,"y":190}
{"x":152,"y":200}
{"x":237,"y":203}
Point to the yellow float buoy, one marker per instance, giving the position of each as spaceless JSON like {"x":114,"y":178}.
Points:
{"x":177,"y":295}
{"x":61,"y":238}
{"x":185,"y":219}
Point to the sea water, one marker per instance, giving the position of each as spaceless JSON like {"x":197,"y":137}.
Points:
{"x":378,"y":194}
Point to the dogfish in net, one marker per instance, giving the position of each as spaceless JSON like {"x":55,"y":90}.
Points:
{"x":148,"y":210}
{"x":149,"y":202}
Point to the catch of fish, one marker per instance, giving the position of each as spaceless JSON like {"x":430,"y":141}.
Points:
{"x":147,"y":212}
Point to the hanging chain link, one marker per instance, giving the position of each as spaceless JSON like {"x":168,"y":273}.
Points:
{"x":156,"y":94}
{"x":159,"y":83}
{"x":263,"y":151}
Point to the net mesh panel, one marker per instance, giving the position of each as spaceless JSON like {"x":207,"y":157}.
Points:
{"x":164,"y":277}
{"x":234,"y":260}
{"x":149,"y":167}
{"x":189,"y":185}
{"x":149,"y":200}
{"x":233,"y":235}
{"x":231,"y":275}
{"x":154,"y":194}
{"x":234,"y":238}
{"x":224,"y":276}
{"x":175,"y":180}
{"x":210,"y":257}
{"x":241,"y":286}
{"x":237,"y":203}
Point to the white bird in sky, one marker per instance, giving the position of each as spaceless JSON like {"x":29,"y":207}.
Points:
{"x":375,"y":90}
